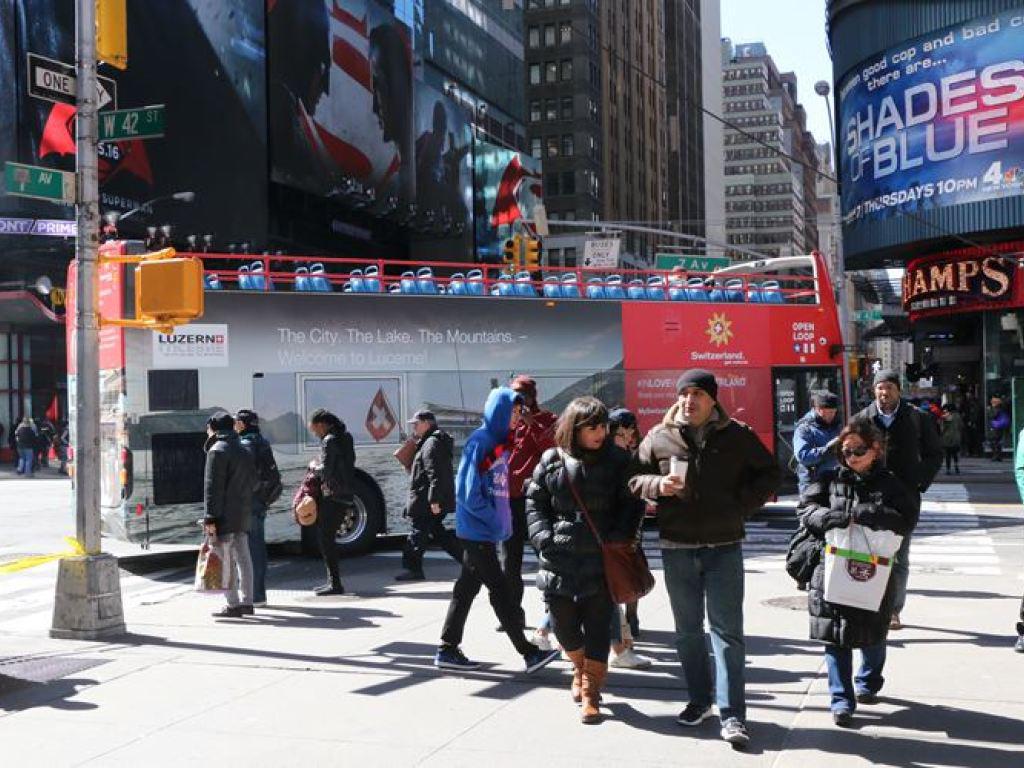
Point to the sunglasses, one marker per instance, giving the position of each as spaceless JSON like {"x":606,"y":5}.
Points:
{"x":858,"y":452}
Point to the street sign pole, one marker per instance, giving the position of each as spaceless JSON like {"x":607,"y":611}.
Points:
{"x":88,"y":599}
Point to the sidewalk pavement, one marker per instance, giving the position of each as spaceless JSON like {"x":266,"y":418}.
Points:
{"x":349,"y":681}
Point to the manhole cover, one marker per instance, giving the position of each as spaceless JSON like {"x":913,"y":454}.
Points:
{"x":796,"y":603}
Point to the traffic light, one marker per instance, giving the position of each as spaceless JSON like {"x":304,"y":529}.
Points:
{"x":510,"y":250}
{"x":168,"y":292}
{"x":533,"y":253}
{"x":112,"y":32}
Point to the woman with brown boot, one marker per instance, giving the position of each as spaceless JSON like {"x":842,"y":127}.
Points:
{"x":576,"y":487}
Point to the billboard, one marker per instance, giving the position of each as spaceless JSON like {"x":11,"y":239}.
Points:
{"x":215,"y":143}
{"x":444,"y":162}
{"x":508,"y":185}
{"x":341,"y":99}
{"x":935,"y":122}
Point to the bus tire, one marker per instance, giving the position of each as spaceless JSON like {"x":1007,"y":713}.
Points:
{"x":360,"y":526}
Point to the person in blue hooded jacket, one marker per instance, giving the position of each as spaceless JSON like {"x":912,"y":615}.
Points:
{"x":483,"y":520}
{"x":815,"y":439}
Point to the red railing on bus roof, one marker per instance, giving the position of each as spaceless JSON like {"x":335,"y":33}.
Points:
{"x":315,"y":274}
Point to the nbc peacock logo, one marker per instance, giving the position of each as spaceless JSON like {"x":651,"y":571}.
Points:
{"x":719,"y":329}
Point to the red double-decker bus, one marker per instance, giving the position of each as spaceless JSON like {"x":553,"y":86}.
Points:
{"x":374,"y":342}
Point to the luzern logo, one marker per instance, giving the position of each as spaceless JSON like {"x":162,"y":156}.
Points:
{"x":198,"y":345}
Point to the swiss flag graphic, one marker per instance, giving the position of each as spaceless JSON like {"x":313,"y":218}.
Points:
{"x":380,"y":419}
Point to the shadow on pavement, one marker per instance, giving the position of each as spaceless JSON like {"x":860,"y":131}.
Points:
{"x":17,"y":694}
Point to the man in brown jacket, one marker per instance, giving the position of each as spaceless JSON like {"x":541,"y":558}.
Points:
{"x":707,"y":473}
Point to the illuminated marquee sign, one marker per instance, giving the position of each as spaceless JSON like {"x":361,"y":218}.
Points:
{"x":958,"y":283}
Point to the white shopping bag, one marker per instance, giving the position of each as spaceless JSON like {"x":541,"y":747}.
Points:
{"x":858,"y":562}
{"x":213,"y":568}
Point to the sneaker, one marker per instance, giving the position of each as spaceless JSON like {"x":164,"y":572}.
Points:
{"x":867,"y":697}
{"x":411,"y":576}
{"x":630,"y":659}
{"x":894,"y":622}
{"x":329,"y":589}
{"x":542,"y":640}
{"x":735,"y":732}
{"x":537,"y":659}
{"x":229,"y":612}
{"x":454,"y":658}
{"x":1019,"y":647}
{"x":694,"y":714}
{"x":842,"y":717}
{"x":247,"y":610}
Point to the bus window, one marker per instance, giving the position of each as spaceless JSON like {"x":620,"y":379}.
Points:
{"x":173,"y":390}
{"x":178,"y":464}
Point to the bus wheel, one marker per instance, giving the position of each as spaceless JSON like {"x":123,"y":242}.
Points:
{"x":362,"y":522}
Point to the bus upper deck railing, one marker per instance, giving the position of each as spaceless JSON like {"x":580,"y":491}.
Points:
{"x":305,"y":274}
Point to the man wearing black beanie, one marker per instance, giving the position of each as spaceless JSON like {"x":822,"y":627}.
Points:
{"x":707,"y":473}
{"x":913,"y":453}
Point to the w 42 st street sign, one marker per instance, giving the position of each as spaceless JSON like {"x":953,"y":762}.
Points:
{"x":138,"y":123}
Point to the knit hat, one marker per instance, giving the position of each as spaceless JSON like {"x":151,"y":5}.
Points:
{"x":824,"y":399}
{"x":622,"y":417}
{"x":525,"y":385}
{"x":887,"y":374}
{"x":700,"y":378}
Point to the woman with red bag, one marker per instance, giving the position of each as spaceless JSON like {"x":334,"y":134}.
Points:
{"x":584,"y":477}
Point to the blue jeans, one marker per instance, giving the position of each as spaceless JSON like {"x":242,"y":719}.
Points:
{"x":26,"y":461}
{"x":714,"y":575}
{"x":841,"y":682}
{"x":901,"y":575}
{"x":258,"y":551}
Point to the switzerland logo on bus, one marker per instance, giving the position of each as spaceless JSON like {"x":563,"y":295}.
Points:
{"x":380,"y":419}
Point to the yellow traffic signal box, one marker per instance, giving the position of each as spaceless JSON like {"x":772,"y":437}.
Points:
{"x":169,"y":291}
{"x":533,"y":253}
{"x":112,"y":32}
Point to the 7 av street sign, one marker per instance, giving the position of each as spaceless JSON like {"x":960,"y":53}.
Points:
{"x":41,"y":183}
{"x":55,"y":81}
{"x":140,"y":123}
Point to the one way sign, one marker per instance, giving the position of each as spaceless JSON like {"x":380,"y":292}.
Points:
{"x":55,"y":81}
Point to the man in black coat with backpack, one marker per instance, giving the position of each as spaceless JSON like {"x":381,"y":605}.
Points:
{"x":266,"y":491}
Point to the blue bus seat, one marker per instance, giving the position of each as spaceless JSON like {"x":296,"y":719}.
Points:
{"x":613,"y":287}
{"x":371,"y":279}
{"x":475,"y":282}
{"x":595,"y":288}
{"x":636,"y":290}
{"x":552,"y":287}
{"x":570,"y":286}
{"x":318,"y":279}
{"x":524,"y":285}
{"x":425,"y":281}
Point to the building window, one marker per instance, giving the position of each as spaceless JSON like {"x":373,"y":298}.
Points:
{"x":567,"y":145}
{"x":550,"y":109}
{"x":566,"y":70}
{"x":568,"y":183}
{"x":552,"y":146}
{"x":535,"y":74}
{"x":551,"y":185}
{"x":533,"y":37}
{"x":570,"y":253}
{"x":565,"y":32}
{"x":549,"y":34}
{"x":550,"y":71}
{"x":535,"y":111}
{"x":536,"y":147}
{"x":567,"y":107}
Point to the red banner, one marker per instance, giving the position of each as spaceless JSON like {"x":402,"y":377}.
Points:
{"x":111,"y":302}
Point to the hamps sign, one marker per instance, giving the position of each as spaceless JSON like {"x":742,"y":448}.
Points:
{"x":195,"y":345}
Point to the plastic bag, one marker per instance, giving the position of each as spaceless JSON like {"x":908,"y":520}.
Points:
{"x":858,"y":562}
{"x":213,"y":568}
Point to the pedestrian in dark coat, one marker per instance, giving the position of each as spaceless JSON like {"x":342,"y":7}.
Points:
{"x":266,"y":491}
{"x":229,"y":477}
{"x":813,"y":440}
{"x":862,"y":491}
{"x":571,"y":568}
{"x":25,"y":440}
{"x":336,"y":469}
{"x":911,"y":449}
{"x":431,"y":496}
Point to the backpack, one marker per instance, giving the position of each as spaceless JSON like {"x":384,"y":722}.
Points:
{"x":803,"y":555}
{"x":268,"y":486}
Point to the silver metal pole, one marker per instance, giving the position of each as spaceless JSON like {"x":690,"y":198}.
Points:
{"x":87,"y":381}
{"x":87,"y":604}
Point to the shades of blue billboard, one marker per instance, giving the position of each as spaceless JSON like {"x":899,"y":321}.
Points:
{"x":936,"y":122}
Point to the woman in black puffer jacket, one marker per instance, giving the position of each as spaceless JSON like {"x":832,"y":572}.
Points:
{"x":571,"y":574}
{"x":862,"y":491}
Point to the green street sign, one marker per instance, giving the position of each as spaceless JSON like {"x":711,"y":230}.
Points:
{"x":41,"y":183}
{"x":690,"y":263}
{"x":867,"y":315}
{"x":140,"y":123}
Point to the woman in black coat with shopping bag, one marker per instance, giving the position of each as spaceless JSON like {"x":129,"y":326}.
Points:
{"x":861,"y":491}
{"x":586,"y":467}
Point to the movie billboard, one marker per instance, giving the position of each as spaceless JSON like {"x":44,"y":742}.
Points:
{"x":935,"y":122}
{"x":444,"y":162}
{"x":214,"y":105}
{"x":507,"y":187}
{"x":341,"y":100}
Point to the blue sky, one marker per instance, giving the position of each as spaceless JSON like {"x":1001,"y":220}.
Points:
{"x":794,"y":33}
